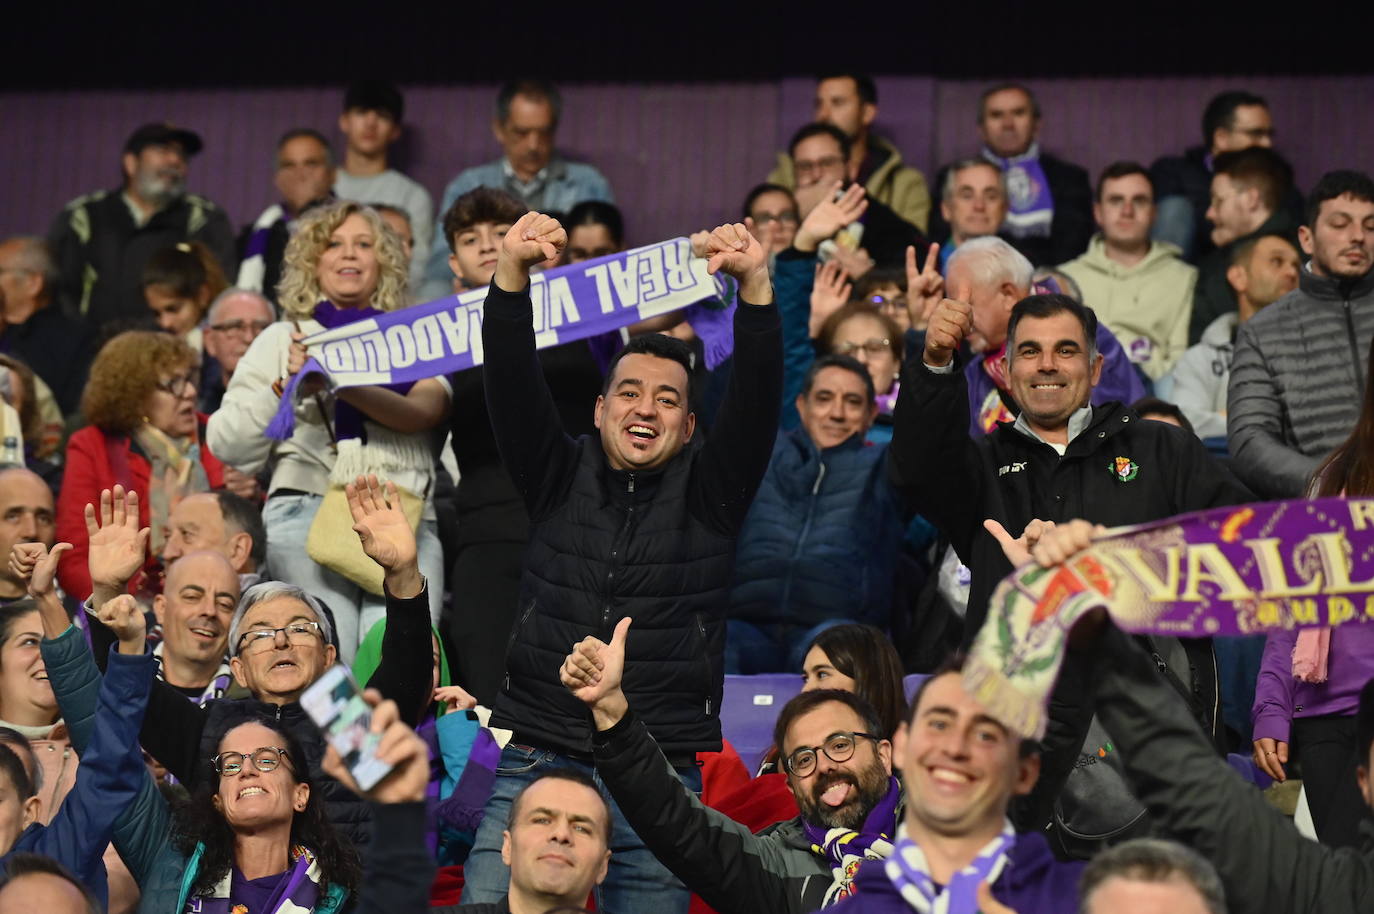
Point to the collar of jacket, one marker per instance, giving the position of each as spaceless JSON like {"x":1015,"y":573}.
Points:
{"x":1329,"y":289}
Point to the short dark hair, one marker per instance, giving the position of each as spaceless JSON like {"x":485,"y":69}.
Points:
{"x":481,"y":204}
{"x":1042,"y":306}
{"x":836,"y":360}
{"x":538,"y":89}
{"x":1154,"y":406}
{"x":1335,"y":184}
{"x":806,"y":702}
{"x":1258,"y":167}
{"x":13,"y":767}
{"x":825,"y":337}
{"x":561,"y":774}
{"x":1153,"y":860}
{"x":866,"y":655}
{"x":244,"y":515}
{"x":1003,"y":87}
{"x":759,"y":190}
{"x":375,"y":95}
{"x":184,"y":268}
{"x":29,"y":864}
{"x":659,"y":345}
{"x":866,"y":285}
{"x":298,"y":133}
{"x":21,"y":746}
{"x":1221,"y":112}
{"x":819,"y":129}
{"x":1245,"y":248}
{"x":1121,"y":170}
{"x":863,"y":84}
{"x":597,"y":212}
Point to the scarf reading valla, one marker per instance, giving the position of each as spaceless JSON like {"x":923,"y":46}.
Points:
{"x":573,"y":302}
{"x":1227,"y":571}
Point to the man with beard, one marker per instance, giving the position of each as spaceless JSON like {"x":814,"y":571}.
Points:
{"x":102,"y":240}
{"x":839,"y":771}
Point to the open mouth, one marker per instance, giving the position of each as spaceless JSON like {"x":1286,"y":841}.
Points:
{"x":206,"y":633}
{"x":950,"y":776}
{"x":251,"y":792}
{"x":1047,"y":386}
{"x":282,"y":665}
{"x":642,"y":432}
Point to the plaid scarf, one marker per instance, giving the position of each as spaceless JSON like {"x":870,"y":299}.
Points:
{"x":846,"y":848}
{"x":910,"y":874}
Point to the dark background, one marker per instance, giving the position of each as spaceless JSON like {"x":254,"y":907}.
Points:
{"x":249,"y":44}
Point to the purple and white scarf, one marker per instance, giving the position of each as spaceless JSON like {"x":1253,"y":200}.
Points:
{"x":298,"y":892}
{"x":910,"y":875}
{"x":846,"y":848}
{"x":1030,"y":207}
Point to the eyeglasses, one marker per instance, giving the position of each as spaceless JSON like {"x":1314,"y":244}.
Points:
{"x":251,"y":328}
{"x":229,"y":764}
{"x":803,"y":167}
{"x":787,"y":218}
{"x":177,"y":386}
{"x":261,"y":639}
{"x":872,"y":346}
{"x":883,"y":303}
{"x":838,"y":747}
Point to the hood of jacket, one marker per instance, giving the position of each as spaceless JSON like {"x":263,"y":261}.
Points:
{"x":1095,"y":258}
{"x":1221,"y":332}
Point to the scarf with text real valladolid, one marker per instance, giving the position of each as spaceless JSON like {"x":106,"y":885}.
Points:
{"x":910,"y":874}
{"x":846,"y":848}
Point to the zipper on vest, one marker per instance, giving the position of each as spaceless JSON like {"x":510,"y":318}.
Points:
{"x":1354,"y":347}
{"x":617,"y":558}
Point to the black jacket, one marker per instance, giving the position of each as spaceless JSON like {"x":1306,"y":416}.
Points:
{"x":958,"y":482}
{"x":1264,"y":864}
{"x":1071,"y":227}
{"x":183,"y":736}
{"x":101,"y":252}
{"x":605,"y":544}
{"x":57,"y":348}
{"x":1213,"y":295}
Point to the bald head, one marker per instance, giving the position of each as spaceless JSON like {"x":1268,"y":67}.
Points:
{"x":26,"y":516}
{"x":196,"y":604}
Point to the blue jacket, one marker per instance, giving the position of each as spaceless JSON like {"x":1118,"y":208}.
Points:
{"x":821,"y":538}
{"x":107,"y":713}
{"x":142,"y":829}
{"x":1032,"y":882}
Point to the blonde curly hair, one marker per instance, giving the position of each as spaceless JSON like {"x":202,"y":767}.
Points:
{"x":299,"y":289}
{"x":125,"y":372}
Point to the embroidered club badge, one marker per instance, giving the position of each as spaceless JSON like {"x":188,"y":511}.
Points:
{"x":1125,"y":469}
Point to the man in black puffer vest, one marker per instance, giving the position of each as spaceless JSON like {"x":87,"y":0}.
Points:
{"x":641,"y":523}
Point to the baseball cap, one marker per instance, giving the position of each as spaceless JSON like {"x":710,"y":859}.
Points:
{"x":160,"y":134}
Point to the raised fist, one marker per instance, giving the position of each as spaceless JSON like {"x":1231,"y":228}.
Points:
{"x":533,"y":239}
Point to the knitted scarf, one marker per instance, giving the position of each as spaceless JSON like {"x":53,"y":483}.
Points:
{"x":910,"y":875}
{"x":253,"y":269}
{"x":296,"y":893}
{"x":1030,"y":208}
{"x":846,"y":848}
{"x":175,"y":472}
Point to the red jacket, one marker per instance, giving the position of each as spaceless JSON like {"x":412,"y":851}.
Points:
{"x":89,"y":469}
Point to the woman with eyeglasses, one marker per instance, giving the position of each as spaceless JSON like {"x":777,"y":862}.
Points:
{"x":862,"y":331}
{"x":144,"y":434}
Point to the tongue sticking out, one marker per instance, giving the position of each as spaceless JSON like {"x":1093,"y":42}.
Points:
{"x":835,"y":794}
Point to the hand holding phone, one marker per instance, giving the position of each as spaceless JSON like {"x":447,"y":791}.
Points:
{"x":335,"y":703}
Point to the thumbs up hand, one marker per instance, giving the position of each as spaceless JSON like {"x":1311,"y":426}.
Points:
{"x":950,"y":323}
{"x":593,"y":671}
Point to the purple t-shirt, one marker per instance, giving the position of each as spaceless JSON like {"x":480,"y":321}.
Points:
{"x":253,"y":893}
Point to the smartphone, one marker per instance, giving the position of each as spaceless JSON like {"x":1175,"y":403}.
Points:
{"x":335,"y":703}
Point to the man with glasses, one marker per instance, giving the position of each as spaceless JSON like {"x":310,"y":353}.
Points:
{"x":820,"y":156}
{"x":839,"y":768}
{"x":820,"y":542}
{"x":279,"y":644}
{"x":233,"y":321}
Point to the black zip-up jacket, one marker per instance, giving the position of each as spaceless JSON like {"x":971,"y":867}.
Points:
{"x":1265,"y":866}
{"x":183,"y":736}
{"x":605,"y":544}
{"x":1119,"y":470}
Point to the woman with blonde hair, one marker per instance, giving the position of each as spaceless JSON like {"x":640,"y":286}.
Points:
{"x":343,"y":264}
{"x":144,"y":434}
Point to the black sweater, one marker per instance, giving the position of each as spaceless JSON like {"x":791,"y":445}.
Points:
{"x":606,"y":544}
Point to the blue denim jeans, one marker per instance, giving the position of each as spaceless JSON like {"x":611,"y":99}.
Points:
{"x":288,"y":518}
{"x":636,"y":881}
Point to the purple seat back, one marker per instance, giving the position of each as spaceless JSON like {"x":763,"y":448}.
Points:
{"x":749,"y":710}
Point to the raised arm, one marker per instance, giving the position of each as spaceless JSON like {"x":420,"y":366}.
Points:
{"x":740,"y":444}
{"x":403,"y":670}
{"x":713,"y":855}
{"x":529,"y":434}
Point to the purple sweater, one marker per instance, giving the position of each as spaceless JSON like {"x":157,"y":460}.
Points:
{"x":1279,"y":697}
{"x":1032,"y":882}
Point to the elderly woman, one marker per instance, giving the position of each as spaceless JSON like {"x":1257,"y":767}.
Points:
{"x":144,"y":434}
{"x":342,"y":265}
{"x":863,"y":331}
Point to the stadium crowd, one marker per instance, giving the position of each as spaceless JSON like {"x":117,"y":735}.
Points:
{"x":539,"y":570}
